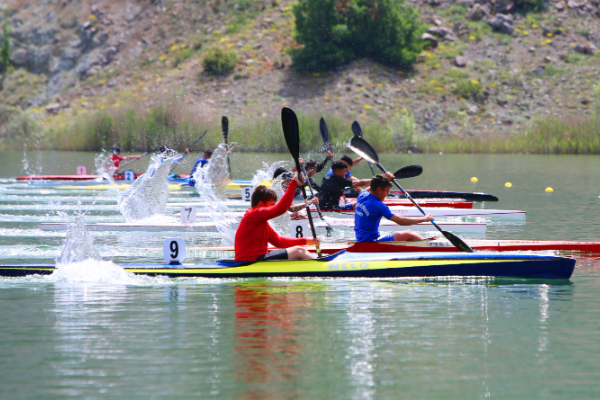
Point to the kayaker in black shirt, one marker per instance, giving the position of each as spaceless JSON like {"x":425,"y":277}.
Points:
{"x":333,"y":185}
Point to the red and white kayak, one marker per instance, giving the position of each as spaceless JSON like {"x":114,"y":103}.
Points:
{"x":424,"y":203}
{"x":71,"y":178}
{"x":516,"y":215}
{"x":442,"y":245}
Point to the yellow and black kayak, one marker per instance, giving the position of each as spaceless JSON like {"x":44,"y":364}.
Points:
{"x":354,"y":265}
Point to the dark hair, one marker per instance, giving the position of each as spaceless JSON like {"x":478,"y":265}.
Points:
{"x":262,"y":193}
{"x":348,"y":160}
{"x":208,"y":153}
{"x":310,"y":163}
{"x":380,"y":181}
{"x":338,"y":164}
{"x":282,"y":171}
{"x":116,"y":149}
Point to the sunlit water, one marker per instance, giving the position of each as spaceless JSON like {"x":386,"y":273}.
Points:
{"x":93,"y":331}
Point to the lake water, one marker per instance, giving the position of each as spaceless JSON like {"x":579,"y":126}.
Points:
{"x":96,"y":332}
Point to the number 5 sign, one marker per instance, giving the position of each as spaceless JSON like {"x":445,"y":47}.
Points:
{"x":174,"y":250}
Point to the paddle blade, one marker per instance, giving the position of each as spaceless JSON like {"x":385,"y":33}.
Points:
{"x":410,"y":171}
{"x":225,"y":127}
{"x":324,"y":133}
{"x":458,"y":242}
{"x":356,"y":129}
{"x":289,"y":121}
{"x":364,"y":149}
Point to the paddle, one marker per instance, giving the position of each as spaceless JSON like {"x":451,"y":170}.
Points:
{"x":225,"y":129}
{"x":190,"y":149}
{"x":134,"y":160}
{"x":357,"y":130}
{"x":360,"y":146}
{"x":410,"y":171}
{"x":312,"y":193}
{"x":292,"y":139}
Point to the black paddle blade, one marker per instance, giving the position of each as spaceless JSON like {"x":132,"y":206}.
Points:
{"x":356,"y":129}
{"x":291,"y":133}
{"x":364,"y":149}
{"x":458,"y":242}
{"x":324,"y":133}
{"x":410,"y":171}
{"x":225,"y":127}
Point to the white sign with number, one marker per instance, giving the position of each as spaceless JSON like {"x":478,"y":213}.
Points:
{"x":247,"y":193}
{"x":300,"y":228}
{"x":174,"y":250}
{"x":129,"y":175}
{"x":188,"y":215}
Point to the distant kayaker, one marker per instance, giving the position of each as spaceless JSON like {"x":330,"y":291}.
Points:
{"x":313,"y":168}
{"x":332,"y":187}
{"x":370,"y":208}
{"x":200,"y":162}
{"x":255,"y":233}
{"x":286,"y":179}
{"x":116,"y":157}
{"x":351,"y":163}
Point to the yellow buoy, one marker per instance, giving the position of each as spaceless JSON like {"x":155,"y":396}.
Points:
{"x":508,"y":184}
{"x":549,"y":189}
{"x":474,"y":179}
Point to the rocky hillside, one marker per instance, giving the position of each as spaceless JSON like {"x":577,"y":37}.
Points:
{"x":487,"y":70}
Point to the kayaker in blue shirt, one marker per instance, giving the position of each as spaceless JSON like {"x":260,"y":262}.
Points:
{"x":370,"y":208}
{"x":200,"y":162}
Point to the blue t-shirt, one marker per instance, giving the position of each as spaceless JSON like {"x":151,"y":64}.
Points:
{"x":348,"y":174}
{"x":367,"y":215}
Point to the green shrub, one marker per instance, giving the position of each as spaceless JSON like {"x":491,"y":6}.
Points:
{"x":468,"y":89}
{"x":217,"y":61}
{"x":5,"y":44}
{"x":334,"y":33}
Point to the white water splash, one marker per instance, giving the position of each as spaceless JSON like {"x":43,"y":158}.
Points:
{"x":211,"y":183}
{"x":266,"y":174}
{"x":93,"y":271}
{"x":104,"y":166}
{"x":79,"y":244}
{"x":148,"y":195}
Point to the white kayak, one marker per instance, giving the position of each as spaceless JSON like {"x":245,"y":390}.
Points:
{"x":337,"y":223}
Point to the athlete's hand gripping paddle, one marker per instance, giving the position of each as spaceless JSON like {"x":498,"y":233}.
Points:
{"x":360,"y":146}
{"x":292,"y":139}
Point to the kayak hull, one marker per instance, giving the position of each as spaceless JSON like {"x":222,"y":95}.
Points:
{"x":352,"y":266}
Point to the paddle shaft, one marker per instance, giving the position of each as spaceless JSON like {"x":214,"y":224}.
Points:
{"x":310,"y":221}
{"x":225,"y":129}
{"x":190,"y":149}
{"x":312,"y":193}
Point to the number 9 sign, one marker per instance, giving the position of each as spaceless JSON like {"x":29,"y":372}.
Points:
{"x":174,"y":250}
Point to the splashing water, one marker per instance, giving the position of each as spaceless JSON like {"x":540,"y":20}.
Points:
{"x":104,"y":167}
{"x":148,"y":195}
{"x":211,"y":183}
{"x":266,"y":174}
{"x":79,"y":245}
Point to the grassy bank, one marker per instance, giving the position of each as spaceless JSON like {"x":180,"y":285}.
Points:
{"x":137,"y":129}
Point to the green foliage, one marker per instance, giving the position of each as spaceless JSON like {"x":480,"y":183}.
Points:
{"x":5,"y":45}
{"x":219,"y":62}
{"x":17,"y":127}
{"x":336,"y":32}
{"x":468,"y":89}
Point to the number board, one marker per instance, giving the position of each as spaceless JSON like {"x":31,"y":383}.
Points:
{"x":129,"y":175}
{"x":300,"y":228}
{"x":188,"y":215}
{"x":174,"y":250}
{"x":247,"y":193}
{"x":81,"y":170}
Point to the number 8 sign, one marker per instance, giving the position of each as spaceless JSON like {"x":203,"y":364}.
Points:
{"x":174,"y":250}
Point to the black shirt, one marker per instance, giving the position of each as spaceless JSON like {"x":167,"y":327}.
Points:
{"x":332,"y":188}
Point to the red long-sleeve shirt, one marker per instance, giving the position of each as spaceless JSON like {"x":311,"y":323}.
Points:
{"x":255,"y":233}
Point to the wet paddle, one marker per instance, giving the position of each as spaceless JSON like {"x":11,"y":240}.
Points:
{"x":410,"y":171}
{"x":225,"y":129}
{"x":357,"y":130}
{"x":360,"y":146}
{"x":292,"y":139}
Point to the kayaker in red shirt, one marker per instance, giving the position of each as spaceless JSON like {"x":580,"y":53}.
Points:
{"x":117,"y":157}
{"x":255,"y":233}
